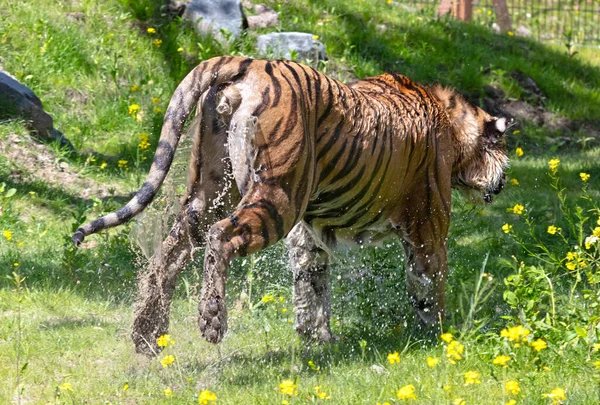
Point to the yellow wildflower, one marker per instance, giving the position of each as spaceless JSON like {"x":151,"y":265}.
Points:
{"x":155,"y":100}
{"x":512,"y":387}
{"x":539,"y":345}
{"x":519,"y":151}
{"x":157,"y":42}
{"x":597,"y":363}
{"x":268,"y":298}
{"x":501,"y":360}
{"x":517,"y":209}
{"x":596,"y":347}
{"x":164,"y":341}
{"x":389,"y":1}
{"x":553,"y":164}
{"x":134,"y":109}
{"x":125,"y":387}
{"x":135,"y":87}
{"x":406,"y":392}
{"x":151,"y":30}
{"x":122,"y":164}
{"x":460,"y":401}
{"x":557,"y":395}
{"x":103,"y":165}
{"x":315,"y":37}
{"x":574,"y":261}
{"x":584,"y":176}
{"x":510,"y":33}
{"x":321,"y":394}
{"x":7,"y":235}
{"x":553,"y":229}
{"x":590,"y":240}
{"x":206,"y":396}
{"x":514,"y":182}
{"x":511,"y":402}
{"x":507,"y":228}
{"x":393,"y":358}
{"x":472,"y":377}
{"x":180,"y":49}
{"x":167,"y":360}
{"x":288,"y":387}
{"x":447,"y":337}
{"x":168,"y":392}
{"x":596,"y":232}
{"x":454,"y":351}
{"x":281,"y":299}
{"x":515,"y":334}
{"x":157,"y":110}
{"x":432,"y":361}
{"x":516,"y":132}
{"x":144,"y":141}
{"x":66,"y":386}
{"x":489,"y":12}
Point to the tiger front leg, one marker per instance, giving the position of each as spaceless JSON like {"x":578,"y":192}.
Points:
{"x":426,"y":269}
{"x":311,"y":293}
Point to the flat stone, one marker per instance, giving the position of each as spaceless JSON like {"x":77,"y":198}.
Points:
{"x":287,"y":44}
{"x":212,"y":16}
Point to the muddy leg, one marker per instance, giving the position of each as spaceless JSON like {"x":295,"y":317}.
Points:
{"x":311,"y":284}
{"x":208,"y":181}
{"x":156,"y":287}
{"x":256,"y":224}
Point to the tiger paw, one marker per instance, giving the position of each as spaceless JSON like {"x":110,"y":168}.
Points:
{"x":212,"y":319}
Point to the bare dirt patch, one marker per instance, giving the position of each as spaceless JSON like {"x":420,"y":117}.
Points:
{"x":31,"y":161}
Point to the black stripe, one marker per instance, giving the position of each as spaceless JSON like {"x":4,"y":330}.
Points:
{"x":124,"y":214}
{"x":97,"y":225}
{"x":276,"y":84}
{"x":265,"y":102}
{"x":145,"y":194}
{"x":329,"y":103}
{"x":334,"y":138}
{"x":163,"y":156}
{"x":271,"y":209}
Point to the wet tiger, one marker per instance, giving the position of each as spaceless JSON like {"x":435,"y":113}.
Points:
{"x":320,"y":163}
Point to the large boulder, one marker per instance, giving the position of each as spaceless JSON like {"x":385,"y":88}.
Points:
{"x":20,"y":102}
{"x":211,"y":16}
{"x":288,"y":44}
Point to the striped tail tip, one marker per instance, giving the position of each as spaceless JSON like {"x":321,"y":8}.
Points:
{"x":78,"y":237}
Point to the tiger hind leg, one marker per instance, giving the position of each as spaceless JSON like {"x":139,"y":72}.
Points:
{"x":257,"y":223}
{"x":311,"y":292}
{"x":210,"y":193}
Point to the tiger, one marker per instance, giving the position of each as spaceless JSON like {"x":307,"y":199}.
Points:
{"x":320,"y":163}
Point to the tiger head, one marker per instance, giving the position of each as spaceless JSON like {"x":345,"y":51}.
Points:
{"x":480,"y":147}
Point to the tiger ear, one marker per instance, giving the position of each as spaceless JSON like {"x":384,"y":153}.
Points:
{"x":497,"y":127}
{"x":501,"y":125}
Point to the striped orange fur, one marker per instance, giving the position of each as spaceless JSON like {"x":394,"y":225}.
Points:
{"x":318,"y":161}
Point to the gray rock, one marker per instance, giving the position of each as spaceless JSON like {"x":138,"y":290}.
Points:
{"x":19,"y":101}
{"x":265,"y":17}
{"x":211,"y":16}
{"x":284,"y":44}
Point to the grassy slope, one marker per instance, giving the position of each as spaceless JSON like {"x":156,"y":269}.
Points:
{"x":77,"y":305}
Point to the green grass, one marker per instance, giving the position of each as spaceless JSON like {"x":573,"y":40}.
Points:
{"x":70,"y":319}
